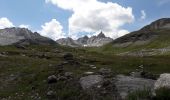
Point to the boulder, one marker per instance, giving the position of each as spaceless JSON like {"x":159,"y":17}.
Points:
{"x":105,"y":71}
{"x":129,"y":84}
{"x":51,"y":94}
{"x":163,"y":81}
{"x":68,"y":74}
{"x":88,"y":73}
{"x":52,"y":79}
{"x":90,"y":81}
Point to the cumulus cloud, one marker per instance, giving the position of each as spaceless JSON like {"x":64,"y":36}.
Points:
{"x":24,"y":26}
{"x":5,"y":23}
{"x":52,"y":29}
{"x":92,"y":15}
{"x":143,"y":15}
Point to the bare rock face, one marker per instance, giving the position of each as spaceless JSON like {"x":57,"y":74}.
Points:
{"x":91,"y":80}
{"x":99,"y":40}
{"x":67,"y":42}
{"x":93,"y":41}
{"x":163,"y":81}
{"x":128,"y":84}
{"x":14,"y":35}
{"x":144,"y":35}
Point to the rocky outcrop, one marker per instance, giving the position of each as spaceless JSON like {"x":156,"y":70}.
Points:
{"x":128,"y":84}
{"x":163,"y":81}
{"x":144,"y":35}
{"x":14,"y":35}
{"x":93,"y":41}
{"x":99,"y":40}
{"x":67,"y":42}
{"x":91,"y":80}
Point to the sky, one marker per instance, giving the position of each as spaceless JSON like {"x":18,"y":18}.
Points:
{"x":75,"y":18}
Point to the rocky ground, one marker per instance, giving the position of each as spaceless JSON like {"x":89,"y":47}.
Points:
{"x":60,"y":73}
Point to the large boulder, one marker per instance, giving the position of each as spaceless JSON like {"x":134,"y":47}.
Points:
{"x":91,"y":80}
{"x":52,"y":79}
{"x":163,"y":81}
{"x":129,"y":84}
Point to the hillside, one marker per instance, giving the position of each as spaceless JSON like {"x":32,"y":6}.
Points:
{"x":9,"y":36}
{"x":153,"y":39}
{"x":55,"y":72}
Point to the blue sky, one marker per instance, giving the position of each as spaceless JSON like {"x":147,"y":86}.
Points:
{"x":36,"y":13}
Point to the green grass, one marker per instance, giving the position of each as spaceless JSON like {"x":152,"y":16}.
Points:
{"x":33,"y":72}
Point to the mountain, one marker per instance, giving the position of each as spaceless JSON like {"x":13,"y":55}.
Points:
{"x":145,"y":35}
{"x":68,"y":42}
{"x":15,"y":35}
{"x":93,"y":41}
{"x":152,"y":39}
{"x":98,"y":40}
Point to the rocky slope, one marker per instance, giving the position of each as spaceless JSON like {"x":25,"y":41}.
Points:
{"x":93,"y":41}
{"x":14,"y":35}
{"x":144,"y":35}
{"x":151,"y":40}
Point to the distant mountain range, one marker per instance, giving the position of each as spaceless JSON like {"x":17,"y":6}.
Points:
{"x":155,"y":35}
{"x":15,"y":35}
{"x":94,"y":41}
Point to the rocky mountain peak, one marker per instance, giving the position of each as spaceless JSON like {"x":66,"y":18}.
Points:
{"x":93,"y":41}
{"x":101,"y":35}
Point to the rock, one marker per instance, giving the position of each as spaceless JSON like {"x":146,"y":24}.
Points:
{"x":128,"y":84}
{"x":136,"y":74}
{"x":88,"y":73}
{"x":91,"y":80}
{"x":163,"y":81}
{"x":149,"y":75}
{"x":105,"y":71}
{"x":68,"y":56}
{"x":51,"y":94}
{"x":62,"y":78}
{"x":68,"y":74}
{"x":52,"y":79}
{"x":20,"y":46}
{"x":22,"y":36}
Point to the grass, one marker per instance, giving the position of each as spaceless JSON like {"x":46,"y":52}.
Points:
{"x":31,"y":72}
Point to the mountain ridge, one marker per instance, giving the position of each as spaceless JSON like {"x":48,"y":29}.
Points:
{"x":15,"y":35}
{"x":93,"y":41}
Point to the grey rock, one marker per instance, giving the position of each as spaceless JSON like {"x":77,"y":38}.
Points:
{"x":68,"y":42}
{"x":51,"y":94}
{"x":93,"y":41}
{"x":128,"y":84}
{"x":89,"y":81}
{"x":105,"y":71}
{"x":163,"y":81}
{"x":68,"y":74}
{"x":22,"y":36}
{"x":88,"y":73}
{"x":52,"y":79}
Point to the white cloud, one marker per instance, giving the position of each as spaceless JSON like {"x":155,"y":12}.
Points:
{"x":24,"y":26}
{"x":143,"y":15}
{"x":52,"y":29}
{"x":5,"y":23}
{"x":92,"y":16}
